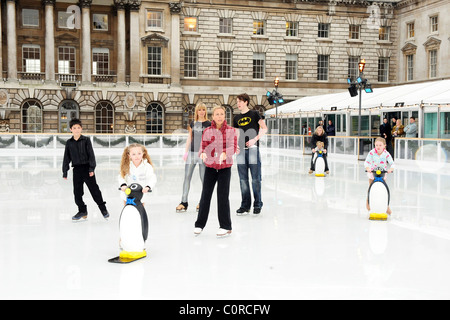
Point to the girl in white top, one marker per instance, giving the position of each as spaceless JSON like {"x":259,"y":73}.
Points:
{"x":136,"y":167}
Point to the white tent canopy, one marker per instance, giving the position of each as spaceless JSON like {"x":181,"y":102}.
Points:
{"x":433,"y":92}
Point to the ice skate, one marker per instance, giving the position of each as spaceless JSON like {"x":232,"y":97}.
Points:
{"x":182,"y":207}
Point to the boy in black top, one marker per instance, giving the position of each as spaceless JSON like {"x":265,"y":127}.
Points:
{"x":79,"y":151}
{"x":251,"y":129}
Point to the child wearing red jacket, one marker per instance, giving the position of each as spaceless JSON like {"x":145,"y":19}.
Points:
{"x":219,"y":144}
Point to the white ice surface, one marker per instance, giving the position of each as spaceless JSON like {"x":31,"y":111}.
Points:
{"x":313,"y":239}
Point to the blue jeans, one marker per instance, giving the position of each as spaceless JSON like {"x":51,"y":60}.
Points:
{"x":250,"y":160}
{"x":192,"y":160}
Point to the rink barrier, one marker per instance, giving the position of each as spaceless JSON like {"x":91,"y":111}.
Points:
{"x":433,"y":150}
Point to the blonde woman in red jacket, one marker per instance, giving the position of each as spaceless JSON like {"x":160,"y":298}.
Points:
{"x":219,"y":144}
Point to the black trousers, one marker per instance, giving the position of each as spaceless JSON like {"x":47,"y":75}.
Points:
{"x":222,"y":178}
{"x":80,"y":177}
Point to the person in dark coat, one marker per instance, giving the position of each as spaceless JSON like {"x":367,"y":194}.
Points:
{"x":386,"y":133}
{"x":319,"y":135}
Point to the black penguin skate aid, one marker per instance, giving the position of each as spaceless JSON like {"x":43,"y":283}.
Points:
{"x":133,"y":225}
{"x":379,"y":196}
{"x":319,"y":164}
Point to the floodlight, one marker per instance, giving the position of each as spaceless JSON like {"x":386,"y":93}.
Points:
{"x":368,"y":88}
{"x":353,"y":90}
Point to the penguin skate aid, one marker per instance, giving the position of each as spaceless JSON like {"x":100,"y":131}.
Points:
{"x":319,"y":160}
{"x":378,"y":163}
{"x":133,"y":226}
{"x":137,"y":179}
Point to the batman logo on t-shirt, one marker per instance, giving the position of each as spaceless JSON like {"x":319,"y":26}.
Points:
{"x":244,"y":121}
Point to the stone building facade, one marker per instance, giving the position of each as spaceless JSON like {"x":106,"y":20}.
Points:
{"x":139,"y":66}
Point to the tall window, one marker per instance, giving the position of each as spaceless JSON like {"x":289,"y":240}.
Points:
{"x":353,"y":70}
{"x":104,"y":117}
{"x":383,"y":69}
{"x":31,"y":58}
{"x":433,"y":63}
{"x":384,"y":33}
{"x":188,"y":115}
{"x":410,"y":67}
{"x":225,"y":25}
{"x":323,"y":62}
{"x":291,"y":66}
{"x":190,"y":63}
{"x":225,"y":64}
{"x":410,"y":30}
{"x":66,"y":60}
{"x":31,"y":116}
{"x":259,"y":68}
{"x":291,"y":29}
{"x":354,"y":31}
{"x":323,"y":30}
{"x":154,"y":19}
{"x":100,"y":61}
{"x":154,"y":118}
{"x":154,"y":61}
{"x":229,"y":114}
{"x":434,"y":26}
{"x":259,"y":27}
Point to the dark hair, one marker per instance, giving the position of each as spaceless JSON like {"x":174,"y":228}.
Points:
{"x":74,"y":122}
{"x":244,"y":97}
{"x":414,"y":118}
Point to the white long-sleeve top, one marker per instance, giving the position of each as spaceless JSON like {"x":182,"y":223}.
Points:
{"x":142,"y":174}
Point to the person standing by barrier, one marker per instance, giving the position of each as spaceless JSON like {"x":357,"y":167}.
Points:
{"x":386,"y":133}
{"x":411,"y":132}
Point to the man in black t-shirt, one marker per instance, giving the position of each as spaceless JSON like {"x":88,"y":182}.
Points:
{"x":251,"y":128}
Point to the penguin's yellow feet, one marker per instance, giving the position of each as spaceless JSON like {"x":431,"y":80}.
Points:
{"x":378,"y":216}
{"x":131,"y":256}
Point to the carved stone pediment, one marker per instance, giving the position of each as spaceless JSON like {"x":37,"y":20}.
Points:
{"x":409,"y":48}
{"x":155,"y":39}
{"x":432,"y":43}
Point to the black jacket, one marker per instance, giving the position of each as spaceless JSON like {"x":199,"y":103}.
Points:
{"x":323,"y":138}
{"x":79,"y":152}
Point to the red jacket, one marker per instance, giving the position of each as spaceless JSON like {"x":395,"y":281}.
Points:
{"x":215,"y":142}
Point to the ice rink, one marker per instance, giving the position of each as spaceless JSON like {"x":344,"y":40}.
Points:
{"x":313,"y":239}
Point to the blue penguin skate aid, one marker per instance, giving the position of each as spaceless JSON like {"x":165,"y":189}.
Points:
{"x":133,"y":227}
{"x":379,"y":197}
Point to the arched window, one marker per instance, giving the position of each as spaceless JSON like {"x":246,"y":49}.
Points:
{"x":229,"y":115}
{"x":68,"y":110}
{"x":260,"y":109}
{"x":32,"y":116}
{"x":104,"y":117}
{"x":188,"y":115}
{"x":155,"y":118}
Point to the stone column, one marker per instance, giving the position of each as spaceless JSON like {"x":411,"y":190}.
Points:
{"x":121,"y":49}
{"x":86,"y":65}
{"x":49,"y":40}
{"x":11,"y":35}
{"x":175,"y":9}
{"x":135,"y":46}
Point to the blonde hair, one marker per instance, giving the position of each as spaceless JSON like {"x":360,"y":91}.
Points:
{"x":216,"y":107}
{"x":323,"y":130}
{"x":200,"y":106}
{"x":125,"y":162}
{"x":380,"y":139}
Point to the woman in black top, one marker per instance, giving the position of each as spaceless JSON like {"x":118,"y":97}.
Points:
{"x":319,"y":135}
{"x":191,"y":156}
